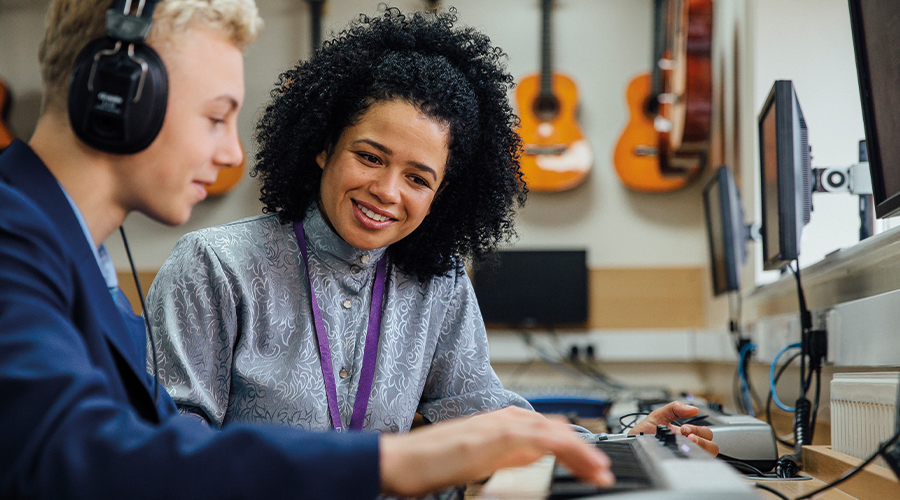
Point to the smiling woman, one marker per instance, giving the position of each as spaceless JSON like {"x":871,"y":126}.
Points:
{"x":385,"y":160}
{"x":379,"y":180}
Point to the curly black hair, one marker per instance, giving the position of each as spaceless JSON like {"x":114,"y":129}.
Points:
{"x":453,"y":75}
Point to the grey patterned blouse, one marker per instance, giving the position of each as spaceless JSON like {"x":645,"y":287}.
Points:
{"x":231,"y":317}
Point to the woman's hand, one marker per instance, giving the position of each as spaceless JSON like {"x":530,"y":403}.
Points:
{"x":673,"y":411}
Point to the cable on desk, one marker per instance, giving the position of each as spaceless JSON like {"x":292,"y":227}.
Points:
{"x":887,"y":444}
{"x":735,"y":391}
{"x":769,"y":398}
{"x":519,"y":370}
{"x":633,"y":422}
{"x":749,"y":470}
{"x":815,"y":410}
{"x":748,"y":400}
{"x":813,"y":349}
{"x":557,"y":364}
{"x":587,"y":369}
{"x":805,"y":330}
{"x":773,"y":379}
{"x":596,"y":374}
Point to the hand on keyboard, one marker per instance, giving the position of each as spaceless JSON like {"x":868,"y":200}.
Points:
{"x":673,"y":411}
{"x":466,"y":449}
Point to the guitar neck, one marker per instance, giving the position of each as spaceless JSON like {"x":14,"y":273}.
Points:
{"x":315,"y":8}
{"x":659,"y":46}
{"x":6,"y":135}
{"x":546,"y":65}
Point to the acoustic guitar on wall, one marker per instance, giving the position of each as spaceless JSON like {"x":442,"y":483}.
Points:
{"x":654,"y":154}
{"x":229,"y":178}
{"x":690,"y":82}
{"x":555,"y":155}
{"x":316,"y":9}
{"x":6,"y":135}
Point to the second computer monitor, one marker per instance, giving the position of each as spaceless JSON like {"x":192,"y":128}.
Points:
{"x":533,"y":288}
{"x":785,"y":174}
{"x":725,"y":230}
{"x":877,"y":46}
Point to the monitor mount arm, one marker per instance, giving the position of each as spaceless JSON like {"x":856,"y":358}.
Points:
{"x":854,"y":179}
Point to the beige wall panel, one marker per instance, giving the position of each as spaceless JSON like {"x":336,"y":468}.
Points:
{"x":647,"y":298}
{"x":126,"y":283}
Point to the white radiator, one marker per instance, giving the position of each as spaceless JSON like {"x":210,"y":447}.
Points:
{"x":863,"y":412}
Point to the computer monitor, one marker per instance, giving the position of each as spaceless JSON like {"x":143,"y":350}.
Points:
{"x":726,"y":231}
{"x":785,"y":174}
{"x":876,"y":42}
{"x":533,"y":288}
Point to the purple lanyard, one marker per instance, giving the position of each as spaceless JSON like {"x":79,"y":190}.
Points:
{"x":372,"y":333}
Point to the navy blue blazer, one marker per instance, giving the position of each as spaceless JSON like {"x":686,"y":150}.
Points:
{"x":77,"y":412}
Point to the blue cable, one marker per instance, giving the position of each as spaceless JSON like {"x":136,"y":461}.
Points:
{"x":772,"y":378}
{"x":745,"y":388}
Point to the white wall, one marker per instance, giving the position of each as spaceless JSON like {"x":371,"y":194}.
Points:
{"x":810,"y":43}
{"x":602,"y":44}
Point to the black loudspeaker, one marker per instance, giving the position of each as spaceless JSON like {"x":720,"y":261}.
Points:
{"x":119,"y":86}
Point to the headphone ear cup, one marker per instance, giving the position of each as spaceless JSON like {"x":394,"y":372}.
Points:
{"x":117,"y":101}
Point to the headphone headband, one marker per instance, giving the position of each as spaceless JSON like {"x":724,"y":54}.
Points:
{"x":122,"y":25}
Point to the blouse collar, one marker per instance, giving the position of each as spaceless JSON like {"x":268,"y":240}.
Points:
{"x":326,"y":244}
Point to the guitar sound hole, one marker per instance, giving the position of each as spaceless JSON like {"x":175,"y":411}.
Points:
{"x":546,"y":107}
{"x":651,"y":105}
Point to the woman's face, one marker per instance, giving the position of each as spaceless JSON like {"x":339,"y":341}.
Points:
{"x":380,"y":178}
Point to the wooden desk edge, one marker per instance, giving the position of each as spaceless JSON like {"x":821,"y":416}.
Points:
{"x":874,"y":481}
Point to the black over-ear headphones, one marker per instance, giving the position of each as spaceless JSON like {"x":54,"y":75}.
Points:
{"x":119,"y":86}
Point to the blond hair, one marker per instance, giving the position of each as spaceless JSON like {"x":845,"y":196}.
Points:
{"x":71,"y":24}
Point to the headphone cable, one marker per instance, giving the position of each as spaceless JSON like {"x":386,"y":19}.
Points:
{"x":137,"y":283}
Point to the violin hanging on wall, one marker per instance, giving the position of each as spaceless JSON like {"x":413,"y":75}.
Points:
{"x":555,"y":155}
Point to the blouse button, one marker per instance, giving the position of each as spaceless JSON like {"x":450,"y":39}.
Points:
{"x":355,"y":269}
{"x":346,"y":303}
{"x":364,"y":258}
{"x":344,"y":373}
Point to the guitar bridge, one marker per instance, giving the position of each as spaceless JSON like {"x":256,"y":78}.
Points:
{"x":551,"y":149}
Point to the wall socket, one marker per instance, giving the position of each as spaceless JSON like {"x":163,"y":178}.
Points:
{"x":582,"y":352}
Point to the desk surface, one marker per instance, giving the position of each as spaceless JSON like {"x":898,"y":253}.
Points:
{"x":826,"y":465}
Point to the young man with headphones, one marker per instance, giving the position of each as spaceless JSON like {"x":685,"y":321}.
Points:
{"x":141,"y":129}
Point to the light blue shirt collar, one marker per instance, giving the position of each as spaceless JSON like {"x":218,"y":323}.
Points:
{"x":104,"y":261}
